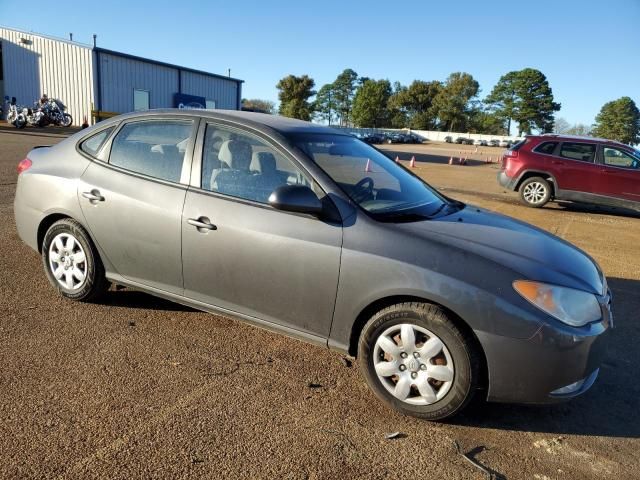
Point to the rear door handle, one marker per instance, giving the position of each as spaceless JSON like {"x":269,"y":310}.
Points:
{"x":202,"y":224}
{"x":93,"y":196}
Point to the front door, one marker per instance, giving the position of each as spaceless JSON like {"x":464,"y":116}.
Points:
{"x":133,"y":204}
{"x":244,"y":256}
{"x":620,"y":176}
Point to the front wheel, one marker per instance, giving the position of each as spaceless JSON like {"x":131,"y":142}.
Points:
{"x":418,"y":361}
{"x":535,"y":192}
{"x":72,"y":263}
{"x":67,"y":120}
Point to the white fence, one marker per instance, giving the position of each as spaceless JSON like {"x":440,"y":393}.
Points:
{"x":435,"y":135}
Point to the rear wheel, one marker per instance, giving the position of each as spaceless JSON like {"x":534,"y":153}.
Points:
{"x":417,"y":360}
{"x":535,"y":192}
{"x":71,"y":262}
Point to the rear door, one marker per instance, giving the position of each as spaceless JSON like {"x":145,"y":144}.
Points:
{"x":273,"y":266}
{"x":620,"y":174}
{"x":132,"y":202}
{"x":575,"y":168}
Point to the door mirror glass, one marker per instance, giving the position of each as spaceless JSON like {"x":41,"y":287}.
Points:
{"x":296,"y":198}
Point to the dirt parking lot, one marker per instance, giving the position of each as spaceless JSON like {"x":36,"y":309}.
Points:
{"x":137,"y":387}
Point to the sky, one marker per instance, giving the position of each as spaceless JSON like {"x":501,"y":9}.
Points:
{"x":589,"y":49}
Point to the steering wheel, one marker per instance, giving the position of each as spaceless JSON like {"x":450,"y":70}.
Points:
{"x":363,"y":189}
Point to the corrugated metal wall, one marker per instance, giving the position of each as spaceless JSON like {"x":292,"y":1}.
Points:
{"x":41,"y":65}
{"x":121,"y":75}
{"x":224,"y":92}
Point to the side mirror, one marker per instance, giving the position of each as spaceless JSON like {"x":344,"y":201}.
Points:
{"x":296,"y":198}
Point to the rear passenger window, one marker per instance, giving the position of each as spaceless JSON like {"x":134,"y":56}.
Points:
{"x":153,"y":148}
{"x":93,"y":144}
{"x":546,"y":148}
{"x":578,"y":151}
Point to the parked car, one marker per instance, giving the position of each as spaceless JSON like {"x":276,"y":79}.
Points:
{"x":371,"y":137}
{"x":311,"y":232}
{"x":412,"y":138}
{"x":494,"y":143}
{"x":461,"y":140}
{"x":505,"y":143}
{"x":396,"y":137}
{"x":580,"y":169}
{"x":480,"y":143}
{"x":448,"y":139}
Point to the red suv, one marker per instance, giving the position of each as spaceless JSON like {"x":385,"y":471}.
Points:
{"x":579,"y":169}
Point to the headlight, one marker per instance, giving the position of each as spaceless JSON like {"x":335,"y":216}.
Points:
{"x":573,"y":307}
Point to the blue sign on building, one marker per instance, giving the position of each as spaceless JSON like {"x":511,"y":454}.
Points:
{"x":189,"y":102}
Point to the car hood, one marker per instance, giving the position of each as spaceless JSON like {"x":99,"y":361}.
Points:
{"x":531,"y":252}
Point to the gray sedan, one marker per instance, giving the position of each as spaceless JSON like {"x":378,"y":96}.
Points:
{"x":304,"y":230}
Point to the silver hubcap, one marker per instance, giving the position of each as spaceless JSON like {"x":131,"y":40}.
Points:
{"x":413,"y":364}
{"x":534,"y":192}
{"x":67,"y":261}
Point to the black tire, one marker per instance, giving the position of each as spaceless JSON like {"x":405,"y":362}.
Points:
{"x":535,"y":192}
{"x":68,"y":120}
{"x":462,"y":350}
{"x":95,"y":282}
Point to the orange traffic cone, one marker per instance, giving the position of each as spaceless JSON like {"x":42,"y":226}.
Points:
{"x":367,"y":167}
{"x":412,"y":163}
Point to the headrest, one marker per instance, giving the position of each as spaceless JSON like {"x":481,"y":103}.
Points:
{"x":263,"y":162}
{"x":236,"y":154}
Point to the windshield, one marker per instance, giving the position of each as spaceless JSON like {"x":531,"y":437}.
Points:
{"x":372,"y":180}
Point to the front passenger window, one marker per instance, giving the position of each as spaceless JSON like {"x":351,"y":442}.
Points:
{"x":155,"y":148}
{"x":244,"y":166}
{"x":618,"y":158}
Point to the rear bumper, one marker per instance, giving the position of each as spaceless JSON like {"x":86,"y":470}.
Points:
{"x":556,"y":364}
{"x":27,"y":218}
{"x":506,"y":181}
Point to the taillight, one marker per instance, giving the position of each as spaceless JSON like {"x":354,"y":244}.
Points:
{"x":24,"y":165}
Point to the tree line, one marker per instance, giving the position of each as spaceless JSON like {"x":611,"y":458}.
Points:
{"x":522,"y":96}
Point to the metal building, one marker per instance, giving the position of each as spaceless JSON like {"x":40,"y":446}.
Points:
{"x":88,"y":78}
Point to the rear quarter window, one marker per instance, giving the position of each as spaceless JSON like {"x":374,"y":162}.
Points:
{"x":519,"y":145}
{"x":547,"y":148}
{"x":94,"y":143}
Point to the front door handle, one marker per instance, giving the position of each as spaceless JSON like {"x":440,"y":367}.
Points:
{"x":93,"y":196}
{"x":202,"y":224}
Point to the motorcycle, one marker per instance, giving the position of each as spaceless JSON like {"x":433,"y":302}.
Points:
{"x":16,"y":115}
{"x":53,"y":111}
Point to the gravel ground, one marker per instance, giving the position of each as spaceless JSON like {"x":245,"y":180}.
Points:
{"x":137,"y":387}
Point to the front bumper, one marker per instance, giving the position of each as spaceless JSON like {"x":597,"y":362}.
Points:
{"x":557,"y":363}
{"x":506,"y":181}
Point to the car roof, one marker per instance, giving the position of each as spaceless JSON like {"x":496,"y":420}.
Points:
{"x":577,"y":137}
{"x":281,"y":124}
